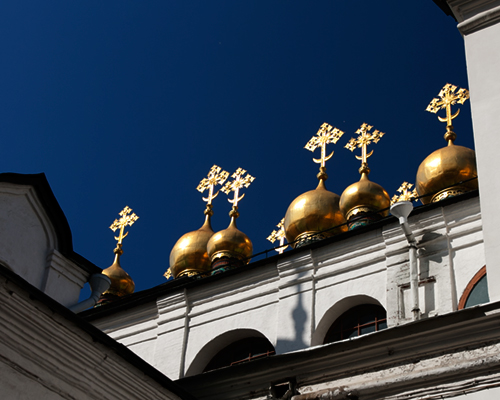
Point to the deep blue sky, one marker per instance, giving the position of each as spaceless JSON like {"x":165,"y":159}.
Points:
{"x":131,"y":103}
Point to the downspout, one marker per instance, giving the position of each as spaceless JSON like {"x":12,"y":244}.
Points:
{"x":99,"y":283}
{"x":401,"y":210}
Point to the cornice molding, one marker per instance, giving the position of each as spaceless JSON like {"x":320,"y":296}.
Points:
{"x":480,"y":21}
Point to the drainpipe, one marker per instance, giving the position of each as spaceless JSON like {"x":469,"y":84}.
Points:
{"x":401,"y":210}
{"x":99,"y":283}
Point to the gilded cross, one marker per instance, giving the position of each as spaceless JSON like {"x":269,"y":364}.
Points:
{"x":216,"y":176}
{"x":279,"y":235}
{"x":326,"y":134}
{"x":123,"y":222}
{"x":447,"y":98}
{"x":406,"y":193}
{"x":239,"y":181}
{"x":363,"y":140}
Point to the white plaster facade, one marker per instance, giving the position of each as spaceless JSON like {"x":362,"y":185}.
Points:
{"x":479,"y":23}
{"x":294,"y":298}
{"x":29,"y":241}
{"x":46,"y":352}
{"x":290,"y":299}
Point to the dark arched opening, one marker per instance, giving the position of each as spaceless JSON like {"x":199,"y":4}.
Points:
{"x":241,"y":351}
{"x":357,"y":321}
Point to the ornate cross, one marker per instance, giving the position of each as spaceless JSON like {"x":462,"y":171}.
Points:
{"x":123,"y":222}
{"x":216,"y":176}
{"x":448,"y":97}
{"x":239,"y":182}
{"x":363,"y":140}
{"x":325,"y":135}
{"x":406,"y":193}
{"x":279,"y":235}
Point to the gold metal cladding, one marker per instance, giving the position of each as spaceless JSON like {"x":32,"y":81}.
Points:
{"x":314,"y":211}
{"x":123,"y":222}
{"x":447,"y":98}
{"x":447,"y":193}
{"x":364,"y":196}
{"x":326,"y":134}
{"x":216,"y":176}
{"x":230,"y":243}
{"x":190,"y":251}
{"x":358,"y":210}
{"x":406,"y":194}
{"x":121,"y":282}
{"x":279,"y":235}
{"x":168,"y":274}
{"x":444,"y":169}
{"x":240,"y":180}
{"x":362,"y":141}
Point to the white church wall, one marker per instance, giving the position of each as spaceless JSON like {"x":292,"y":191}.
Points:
{"x":172,"y":335}
{"x":63,"y":279}
{"x":28,"y":246}
{"x":231,"y":306}
{"x":48,"y":353}
{"x":26,"y":235}
{"x":293,"y":302}
{"x":479,"y":22}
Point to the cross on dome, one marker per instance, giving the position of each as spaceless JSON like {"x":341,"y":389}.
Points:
{"x":362,"y":141}
{"x":123,"y":222}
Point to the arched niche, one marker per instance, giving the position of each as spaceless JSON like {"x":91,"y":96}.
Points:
{"x":335,"y":312}
{"x":221,"y":342}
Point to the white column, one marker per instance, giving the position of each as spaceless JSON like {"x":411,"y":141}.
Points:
{"x":479,"y":22}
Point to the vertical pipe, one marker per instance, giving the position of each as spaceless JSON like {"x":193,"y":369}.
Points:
{"x":414,"y":281}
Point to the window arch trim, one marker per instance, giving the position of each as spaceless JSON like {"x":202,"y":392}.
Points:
{"x":468,"y":289}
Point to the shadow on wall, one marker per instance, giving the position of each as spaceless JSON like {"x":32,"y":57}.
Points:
{"x":288,"y":338}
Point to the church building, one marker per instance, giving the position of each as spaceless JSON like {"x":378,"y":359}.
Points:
{"x":370,"y":297}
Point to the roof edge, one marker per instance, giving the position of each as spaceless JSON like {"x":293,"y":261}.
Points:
{"x":55,"y":213}
{"x":97,"y":335}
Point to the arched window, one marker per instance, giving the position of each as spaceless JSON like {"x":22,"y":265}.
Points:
{"x":476,"y":291}
{"x":240,"y":351}
{"x":357,"y":321}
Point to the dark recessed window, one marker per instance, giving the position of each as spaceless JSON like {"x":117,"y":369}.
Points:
{"x":476,"y":291}
{"x":241,"y":351}
{"x":357,"y":321}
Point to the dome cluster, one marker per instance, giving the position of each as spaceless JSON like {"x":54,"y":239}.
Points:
{"x":203,"y":252}
{"x":320,"y":213}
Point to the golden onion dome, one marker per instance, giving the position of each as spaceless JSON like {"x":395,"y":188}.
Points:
{"x":312,"y":212}
{"x":439,"y":174}
{"x":230,"y":243}
{"x":189,"y":255}
{"x":121,"y":282}
{"x":364,"y":196}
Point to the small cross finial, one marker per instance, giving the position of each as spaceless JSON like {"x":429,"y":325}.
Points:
{"x":239,"y":181}
{"x":362,"y":141}
{"x":447,"y":98}
{"x":279,"y":235}
{"x":216,"y":176}
{"x":123,"y":222}
{"x":326,"y":134}
{"x":406,"y":193}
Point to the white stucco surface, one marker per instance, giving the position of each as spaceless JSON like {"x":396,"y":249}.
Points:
{"x":480,"y":25}
{"x":28,"y":246}
{"x":294,"y":300}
